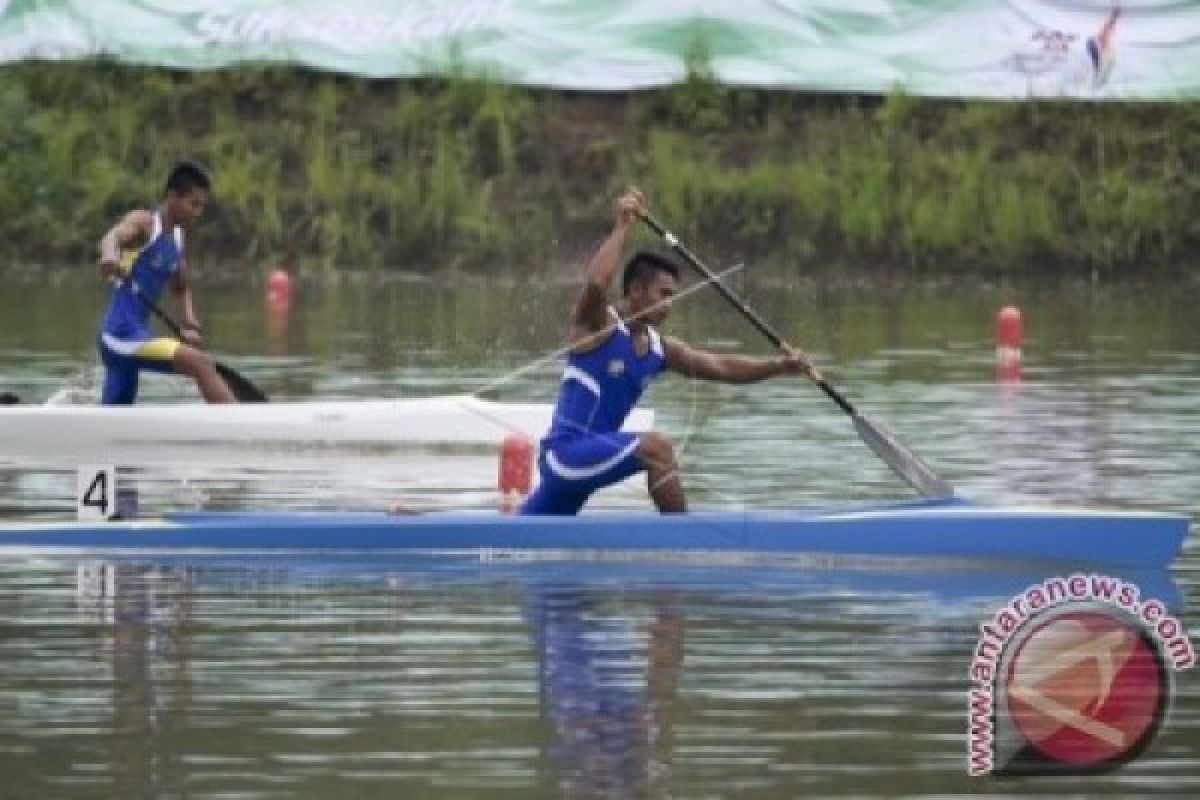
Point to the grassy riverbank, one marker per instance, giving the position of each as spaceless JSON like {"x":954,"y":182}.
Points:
{"x":334,"y":172}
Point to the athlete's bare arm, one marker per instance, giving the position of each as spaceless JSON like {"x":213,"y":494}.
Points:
{"x":590,"y":316}
{"x":729,"y":368}
{"x":182,"y":287}
{"x":133,"y":229}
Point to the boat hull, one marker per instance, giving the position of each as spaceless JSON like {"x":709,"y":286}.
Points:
{"x":946,"y":529}
{"x":151,"y":434}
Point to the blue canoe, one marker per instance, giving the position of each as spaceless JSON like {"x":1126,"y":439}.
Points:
{"x":949,"y":528}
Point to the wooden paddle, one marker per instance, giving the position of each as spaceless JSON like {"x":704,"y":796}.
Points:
{"x":915,"y":472}
{"x":242,"y":388}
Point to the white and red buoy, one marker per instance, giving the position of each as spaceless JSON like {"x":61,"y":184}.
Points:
{"x":1009,"y":331}
{"x":516,"y":471}
{"x":279,"y":288}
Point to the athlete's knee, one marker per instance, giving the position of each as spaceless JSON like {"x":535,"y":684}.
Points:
{"x":655,"y":449}
{"x":191,"y":361}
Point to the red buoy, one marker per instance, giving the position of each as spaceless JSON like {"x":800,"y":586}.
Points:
{"x":279,"y":288}
{"x":1008,"y":344}
{"x":516,"y":470}
{"x":1008,"y":330}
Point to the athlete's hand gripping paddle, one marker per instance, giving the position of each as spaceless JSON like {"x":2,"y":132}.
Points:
{"x":902,"y":461}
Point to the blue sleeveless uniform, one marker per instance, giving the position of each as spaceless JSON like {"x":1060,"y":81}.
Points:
{"x":585,"y":449}
{"x":125,"y":342}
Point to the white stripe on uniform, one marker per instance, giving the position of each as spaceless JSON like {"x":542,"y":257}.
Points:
{"x":582,"y":473}
{"x":589,"y":383}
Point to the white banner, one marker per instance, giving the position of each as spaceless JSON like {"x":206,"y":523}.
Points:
{"x":963,"y":48}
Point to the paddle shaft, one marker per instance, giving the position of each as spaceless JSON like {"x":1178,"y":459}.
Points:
{"x":763,"y":326}
{"x":882,"y":442}
{"x":152,"y":306}
{"x":242,"y":388}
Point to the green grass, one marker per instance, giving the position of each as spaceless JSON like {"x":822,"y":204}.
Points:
{"x":331,"y":172}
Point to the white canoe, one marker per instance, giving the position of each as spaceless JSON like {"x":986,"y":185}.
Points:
{"x":63,"y":435}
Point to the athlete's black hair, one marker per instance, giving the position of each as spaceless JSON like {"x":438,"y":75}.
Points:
{"x":644,"y":266}
{"x":188,"y":175}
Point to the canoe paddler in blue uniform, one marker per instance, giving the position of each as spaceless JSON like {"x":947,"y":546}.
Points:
{"x":143,"y":254}
{"x":615,"y":353}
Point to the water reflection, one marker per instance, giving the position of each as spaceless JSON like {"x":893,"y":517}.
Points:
{"x":568,"y":678}
{"x":142,"y":615}
{"x":608,"y":695}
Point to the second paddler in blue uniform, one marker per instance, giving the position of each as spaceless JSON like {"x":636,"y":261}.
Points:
{"x":615,"y":353}
{"x":144,"y":253}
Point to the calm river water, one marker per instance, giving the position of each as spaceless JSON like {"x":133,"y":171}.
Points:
{"x":415,"y":677}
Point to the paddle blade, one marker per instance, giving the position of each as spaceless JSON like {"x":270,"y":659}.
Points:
{"x":902,"y":461}
{"x":243,"y":390}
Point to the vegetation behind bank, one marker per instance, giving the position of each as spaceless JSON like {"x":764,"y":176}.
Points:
{"x":335,"y":172}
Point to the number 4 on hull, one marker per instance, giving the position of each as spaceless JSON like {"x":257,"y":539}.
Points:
{"x":96,"y":493}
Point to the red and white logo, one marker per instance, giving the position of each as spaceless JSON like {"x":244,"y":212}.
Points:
{"x":1072,"y":676}
{"x":1086,"y":689}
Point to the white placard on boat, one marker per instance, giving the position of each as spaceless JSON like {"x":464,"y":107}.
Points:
{"x":96,"y":492}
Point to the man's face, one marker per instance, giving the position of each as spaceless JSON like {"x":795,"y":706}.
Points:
{"x":187,"y":207}
{"x":654,"y":295}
